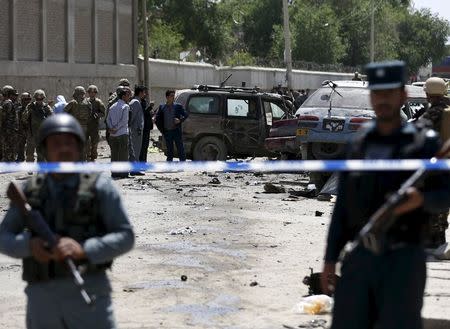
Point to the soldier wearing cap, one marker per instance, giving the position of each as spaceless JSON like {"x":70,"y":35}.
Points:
{"x":383,"y":290}
{"x":85,"y":211}
{"x":98,"y":112}
{"x":81,"y":110}
{"x":36,"y":112}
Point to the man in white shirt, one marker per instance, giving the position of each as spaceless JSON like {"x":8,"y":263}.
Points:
{"x":117,"y":123}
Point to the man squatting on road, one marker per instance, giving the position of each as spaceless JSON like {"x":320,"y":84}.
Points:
{"x":385,"y":290}
{"x":86,"y":212}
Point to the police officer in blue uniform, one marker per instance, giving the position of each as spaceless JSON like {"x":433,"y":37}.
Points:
{"x":86,"y":212}
{"x":383,"y":290}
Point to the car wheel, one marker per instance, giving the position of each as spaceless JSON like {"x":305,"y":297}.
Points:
{"x":327,"y":151}
{"x":210,"y":149}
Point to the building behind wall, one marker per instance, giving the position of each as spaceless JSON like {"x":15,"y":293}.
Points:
{"x":59,"y":44}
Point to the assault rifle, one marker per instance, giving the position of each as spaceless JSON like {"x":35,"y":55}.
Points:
{"x":371,"y":235}
{"x":37,"y":224}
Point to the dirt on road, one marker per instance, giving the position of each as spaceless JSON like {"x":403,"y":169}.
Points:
{"x":212,"y":251}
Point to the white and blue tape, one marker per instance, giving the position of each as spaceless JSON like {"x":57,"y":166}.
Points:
{"x":219,"y":166}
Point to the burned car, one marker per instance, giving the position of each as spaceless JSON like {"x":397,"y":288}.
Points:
{"x":228,"y":122}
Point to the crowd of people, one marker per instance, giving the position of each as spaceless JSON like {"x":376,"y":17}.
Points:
{"x":21,"y":116}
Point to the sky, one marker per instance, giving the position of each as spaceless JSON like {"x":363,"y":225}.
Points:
{"x":440,"y":7}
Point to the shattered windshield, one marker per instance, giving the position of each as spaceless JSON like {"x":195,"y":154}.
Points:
{"x":357,"y":98}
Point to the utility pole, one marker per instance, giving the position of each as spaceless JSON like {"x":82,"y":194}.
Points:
{"x":372,"y":31}
{"x":287,"y":44}
{"x":144,"y":26}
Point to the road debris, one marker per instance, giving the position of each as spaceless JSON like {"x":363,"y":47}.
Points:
{"x":271,"y":188}
{"x":183,"y":231}
{"x":214,"y":181}
{"x":316,"y":304}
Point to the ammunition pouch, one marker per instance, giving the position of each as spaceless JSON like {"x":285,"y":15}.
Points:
{"x":76,"y":217}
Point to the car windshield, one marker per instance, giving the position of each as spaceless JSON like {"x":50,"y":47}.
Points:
{"x":352,"y":98}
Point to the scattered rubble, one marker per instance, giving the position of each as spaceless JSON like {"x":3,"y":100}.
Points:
{"x":183,"y":231}
{"x":214,"y":181}
{"x":271,"y":188}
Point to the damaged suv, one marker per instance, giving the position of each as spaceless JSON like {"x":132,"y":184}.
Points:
{"x":228,"y":122}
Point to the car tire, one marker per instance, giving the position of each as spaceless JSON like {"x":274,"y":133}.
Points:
{"x":210,"y":149}
{"x":327,"y":151}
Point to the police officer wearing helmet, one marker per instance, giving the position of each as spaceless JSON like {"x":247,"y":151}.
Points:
{"x":383,"y":290}
{"x":86,"y":212}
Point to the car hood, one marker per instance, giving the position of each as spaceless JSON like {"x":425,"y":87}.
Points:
{"x":336,"y":112}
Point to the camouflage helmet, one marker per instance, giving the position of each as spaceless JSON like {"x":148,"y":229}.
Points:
{"x":7,"y":90}
{"x":79,"y":91}
{"x":124,"y":82}
{"x":92,"y":88}
{"x":60,"y":123}
{"x":25,"y":95}
{"x":39,"y":93}
{"x":435,"y":87}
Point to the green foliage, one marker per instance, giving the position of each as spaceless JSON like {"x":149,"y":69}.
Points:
{"x":245,"y":32}
{"x":422,"y":37}
{"x":165,"y":42}
{"x":315,"y":30}
{"x":258,"y":25}
{"x":240,"y":58}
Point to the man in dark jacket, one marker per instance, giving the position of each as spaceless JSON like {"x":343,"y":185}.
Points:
{"x":168,"y":120}
{"x":384,"y":290}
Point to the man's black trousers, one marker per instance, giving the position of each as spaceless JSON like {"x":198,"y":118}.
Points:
{"x":381,"y":292}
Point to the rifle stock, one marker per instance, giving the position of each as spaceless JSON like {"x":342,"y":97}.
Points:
{"x":38,"y":225}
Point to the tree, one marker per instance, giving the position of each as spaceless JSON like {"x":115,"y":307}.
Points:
{"x":316,"y":34}
{"x":422,"y":38}
{"x":258,"y":25}
{"x":323,"y":31}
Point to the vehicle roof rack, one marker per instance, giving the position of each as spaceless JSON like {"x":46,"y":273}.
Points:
{"x":230,"y":89}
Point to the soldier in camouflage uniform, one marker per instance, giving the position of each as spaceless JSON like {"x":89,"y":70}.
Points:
{"x":437,"y":116}
{"x":98,"y":112}
{"x":10,"y":125}
{"x":36,"y":112}
{"x":81,"y":109}
{"x":5,"y":90}
{"x":25,"y":99}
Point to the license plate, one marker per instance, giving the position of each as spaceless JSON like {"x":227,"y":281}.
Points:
{"x":333,"y":125}
{"x":302,"y":131}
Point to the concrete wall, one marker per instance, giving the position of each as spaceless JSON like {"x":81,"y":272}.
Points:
{"x":166,"y":74}
{"x":56,"y":45}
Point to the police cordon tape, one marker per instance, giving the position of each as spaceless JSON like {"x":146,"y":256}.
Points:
{"x":222,"y":166}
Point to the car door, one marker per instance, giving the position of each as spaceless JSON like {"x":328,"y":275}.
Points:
{"x":204,"y":115}
{"x":243,"y":124}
